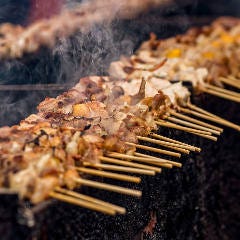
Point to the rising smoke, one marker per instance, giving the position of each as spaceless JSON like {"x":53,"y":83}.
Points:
{"x":79,"y":55}
{"x":82,"y":54}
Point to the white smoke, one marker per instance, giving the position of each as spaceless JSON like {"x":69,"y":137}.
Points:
{"x":88,"y":53}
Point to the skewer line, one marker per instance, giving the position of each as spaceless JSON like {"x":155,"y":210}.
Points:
{"x":151,"y":149}
{"x":117,"y":176}
{"x":187,"y":146}
{"x":109,"y":187}
{"x":179,"y":115}
{"x":119,"y":168}
{"x":188,"y":124}
{"x":212,"y":119}
{"x":176,"y":164}
{"x":130,"y":164}
{"x":174,"y":146}
{"x":82,"y":203}
{"x":116,"y":208}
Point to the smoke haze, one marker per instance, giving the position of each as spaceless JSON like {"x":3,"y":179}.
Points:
{"x":82,"y":54}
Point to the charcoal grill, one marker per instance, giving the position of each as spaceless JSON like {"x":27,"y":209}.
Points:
{"x":196,"y":202}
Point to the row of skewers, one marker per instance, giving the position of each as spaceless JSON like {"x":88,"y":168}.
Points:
{"x":98,"y":126}
{"x":207,"y":57}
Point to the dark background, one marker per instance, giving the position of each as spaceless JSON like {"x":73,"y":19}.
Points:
{"x":17,"y":11}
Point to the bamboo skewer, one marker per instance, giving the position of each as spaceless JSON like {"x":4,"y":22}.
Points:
{"x":130,"y":157}
{"x":179,"y":115}
{"x":176,"y":164}
{"x":222,"y":90}
{"x":172,"y":141}
{"x":222,"y":95}
{"x":163,"y":165}
{"x":231,"y":81}
{"x":201,"y":110}
{"x":213,"y":119}
{"x":189,"y":124}
{"x":130,"y":164}
{"x":119,"y":168}
{"x":82,"y":203}
{"x":174,"y":146}
{"x":109,"y":187}
{"x":186,"y":129}
{"x":187,"y":146}
{"x":219,"y":120}
{"x":77,"y":195}
{"x":151,"y":149}
{"x":117,"y":176}
{"x":152,"y":160}
{"x":233,"y":78}
{"x":208,"y":137}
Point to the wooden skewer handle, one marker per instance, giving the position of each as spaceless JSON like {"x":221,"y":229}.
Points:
{"x":82,"y":203}
{"x":161,"y":151}
{"x":179,"y":115}
{"x":130,"y":157}
{"x":117,"y":176}
{"x":196,"y":132}
{"x":222,"y":90}
{"x":177,"y":147}
{"x":231,"y":82}
{"x":109,"y":187}
{"x":176,"y":164}
{"x":187,"y":146}
{"x":130,"y":164}
{"x":222,"y":95}
{"x":116,"y":208}
{"x":186,"y":129}
{"x":212,"y":119}
{"x":189,"y":124}
{"x":201,"y":110}
{"x":120,"y":168}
